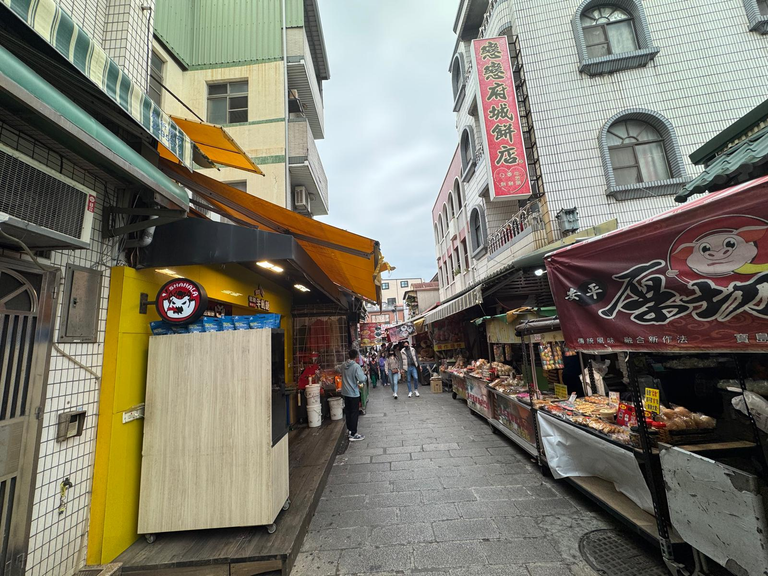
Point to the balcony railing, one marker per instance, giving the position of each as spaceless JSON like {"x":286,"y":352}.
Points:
{"x":302,"y":78}
{"x":488,"y":16}
{"x":306,"y":166}
{"x":527,"y":224}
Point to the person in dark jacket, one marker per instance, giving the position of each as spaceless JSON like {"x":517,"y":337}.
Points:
{"x":410,"y":361}
{"x":352,"y":378}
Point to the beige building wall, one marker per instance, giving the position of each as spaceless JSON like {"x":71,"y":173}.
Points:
{"x":395,"y":290}
{"x":262,"y":137}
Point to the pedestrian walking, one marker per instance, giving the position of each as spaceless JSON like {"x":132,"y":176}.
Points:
{"x":393,"y":371}
{"x":374,"y":369}
{"x":383,"y":368}
{"x":352,"y":379}
{"x":410,"y":361}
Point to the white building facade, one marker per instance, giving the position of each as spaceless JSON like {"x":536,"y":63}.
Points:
{"x":614,"y":95}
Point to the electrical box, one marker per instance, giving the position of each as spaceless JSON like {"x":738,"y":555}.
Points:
{"x":81,"y":304}
{"x":568,"y":220}
{"x":70,"y":425}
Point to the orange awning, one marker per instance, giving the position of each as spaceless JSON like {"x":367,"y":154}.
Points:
{"x":348,"y":259}
{"x":215,"y":143}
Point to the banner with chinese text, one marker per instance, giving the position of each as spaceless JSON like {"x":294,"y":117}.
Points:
{"x":692,"y":278}
{"x":500,"y":122}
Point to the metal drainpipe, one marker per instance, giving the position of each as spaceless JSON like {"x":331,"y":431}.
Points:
{"x":288,"y":199}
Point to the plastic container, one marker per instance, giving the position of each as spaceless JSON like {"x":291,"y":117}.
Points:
{"x":337,"y":408}
{"x":313,"y":394}
{"x":314,"y":415}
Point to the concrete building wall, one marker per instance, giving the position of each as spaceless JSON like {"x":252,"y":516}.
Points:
{"x":395,"y":290}
{"x":262,"y":137}
{"x":704,"y":78}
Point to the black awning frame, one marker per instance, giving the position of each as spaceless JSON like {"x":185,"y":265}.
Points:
{"x":194,"y":241}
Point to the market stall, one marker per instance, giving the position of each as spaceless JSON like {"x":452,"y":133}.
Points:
{"x":681,"y":315}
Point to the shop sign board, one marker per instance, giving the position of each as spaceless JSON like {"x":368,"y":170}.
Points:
{"x":258,"y":301}
{"x":401,"y":332}
{"x":477,"y":397}
{"x":181,"y":301}
{"x":652,"y":400}
{"x":505,"y":156}
{"x":692,"y":278}
{"x":370,"y":334}
{"x":561,"y":391}
{"x":515,"y":417}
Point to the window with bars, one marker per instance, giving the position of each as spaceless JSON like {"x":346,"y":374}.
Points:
{"x":228,"y":103}
{"x":403,"y":283}
{"x":156,"y":79}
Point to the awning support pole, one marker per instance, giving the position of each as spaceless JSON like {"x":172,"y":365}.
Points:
{"x":653,"y":474}
{"x":753,"y":424}
{"x":531,"y":396}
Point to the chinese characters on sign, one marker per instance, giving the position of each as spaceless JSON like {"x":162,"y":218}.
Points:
{"x":694,"y":278}
{"x":502,"y":132}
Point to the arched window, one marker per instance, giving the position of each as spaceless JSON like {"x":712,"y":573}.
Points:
{"x":437,"y":238}
{"x":477,"y":231}
{"x":608,"y":30}
{"x":457,"y":194}
{"x":467,"y":153}
{"x":641,"y":155}
{"x":637,"y":153}
{"x":451,"y":206}
{"x":612,"y":35}
{"x":445,"y":218}
{"x":440,"y":227}
{"x":457,"y":80}
{"x":757,"y":14}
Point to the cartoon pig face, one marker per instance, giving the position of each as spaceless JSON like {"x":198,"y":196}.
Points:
{"x":179,"y":305}
{"x":722,"y":253}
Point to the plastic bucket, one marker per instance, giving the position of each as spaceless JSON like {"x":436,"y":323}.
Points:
{"x":314,"y":414}
{"x":313,"y":394}
{"x":336,"y":406}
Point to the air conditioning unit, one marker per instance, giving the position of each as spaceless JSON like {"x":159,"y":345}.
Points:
{"x":44,"y":209}
{"x":301,"y":199}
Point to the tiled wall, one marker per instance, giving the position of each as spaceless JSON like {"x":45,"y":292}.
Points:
{"x":706,"y":76}
{"x":56,"y":545}
{"x":57,"y":541}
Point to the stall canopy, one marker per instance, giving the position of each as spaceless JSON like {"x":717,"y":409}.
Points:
{"x":215,"y":143}
{"x":55,"y":26}
{"x":351,"y":261}
{"x":461,"y":302}
{"x":692,"y":278}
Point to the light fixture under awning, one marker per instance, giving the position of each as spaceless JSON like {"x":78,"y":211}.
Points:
{"x":215,"y":143}
{"x":348,"y":259}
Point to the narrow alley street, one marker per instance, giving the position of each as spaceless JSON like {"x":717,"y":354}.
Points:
{"x":432,"y":490}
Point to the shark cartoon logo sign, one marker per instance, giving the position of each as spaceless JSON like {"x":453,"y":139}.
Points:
{"x":723,"y":250}
{"x":181,"y":301}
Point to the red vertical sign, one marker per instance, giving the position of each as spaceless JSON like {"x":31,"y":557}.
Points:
{"x":502,"y":133}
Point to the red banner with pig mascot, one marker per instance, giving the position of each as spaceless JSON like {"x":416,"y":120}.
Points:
{"x":692,"y":278}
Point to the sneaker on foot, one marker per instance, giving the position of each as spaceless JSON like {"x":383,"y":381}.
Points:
{"x":410,"y":394}
{"x":356,"y":438}
{"x":417,"y":393}
{"x":394,"y":396}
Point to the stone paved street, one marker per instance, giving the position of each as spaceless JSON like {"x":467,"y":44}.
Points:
{"x":432,"y":490}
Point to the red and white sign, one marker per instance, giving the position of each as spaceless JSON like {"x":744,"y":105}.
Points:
{"x":502,"y":132}
{"x":692,"y":278}
{"x":181,"y":301}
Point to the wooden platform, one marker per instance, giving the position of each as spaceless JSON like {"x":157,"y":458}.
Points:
{"x":248,"y":551}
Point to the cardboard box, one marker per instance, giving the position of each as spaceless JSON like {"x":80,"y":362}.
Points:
{"x":436,"y":383}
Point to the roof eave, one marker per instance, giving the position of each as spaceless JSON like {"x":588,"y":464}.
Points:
{"x":733,"y":132}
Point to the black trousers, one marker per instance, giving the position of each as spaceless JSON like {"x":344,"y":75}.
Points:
{"x":352,"y":410}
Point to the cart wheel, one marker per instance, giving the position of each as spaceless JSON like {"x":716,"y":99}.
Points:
{"x":454,"y":395}
{"x":287,"y":505}
{"x":272,"y":528}
{"x":150,"y":538}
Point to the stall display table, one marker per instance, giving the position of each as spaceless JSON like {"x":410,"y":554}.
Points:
{"x":478,"y":397}
{"x":458,"y":385}
{"x":514,"y":419}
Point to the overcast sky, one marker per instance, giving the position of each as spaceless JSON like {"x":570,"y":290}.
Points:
{"x":389,"y":126}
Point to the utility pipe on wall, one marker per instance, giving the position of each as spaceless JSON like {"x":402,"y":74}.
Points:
{"x":288,"y":198}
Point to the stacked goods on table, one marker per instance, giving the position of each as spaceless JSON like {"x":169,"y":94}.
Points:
{"x":618,"y":421}
{"x":223,"y":324}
